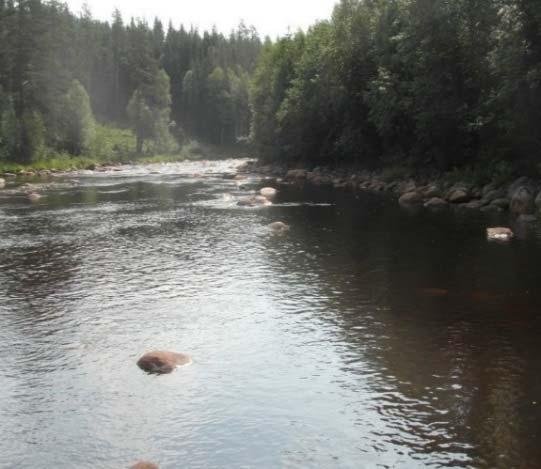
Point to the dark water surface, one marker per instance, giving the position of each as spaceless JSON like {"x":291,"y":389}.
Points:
{"x":366,"y":337}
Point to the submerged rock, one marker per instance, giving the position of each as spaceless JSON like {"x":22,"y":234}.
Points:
{"x":144,"y":465}
{"x":34,"y":197}
{"x":268,"y":192}
{"x":500,"y":234}
{"x":255,"y":201}
{"x":279,"y":227}
{"x":163,"y":362}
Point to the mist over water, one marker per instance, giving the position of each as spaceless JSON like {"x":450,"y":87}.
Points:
{"x":366,"y":336}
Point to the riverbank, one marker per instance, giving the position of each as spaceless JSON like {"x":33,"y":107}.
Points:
{"x":520,"y":196}
{"x":59,"y":164}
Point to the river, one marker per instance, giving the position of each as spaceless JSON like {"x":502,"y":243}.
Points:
{"x":367,"y":336}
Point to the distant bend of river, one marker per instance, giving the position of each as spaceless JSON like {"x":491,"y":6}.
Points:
{"x":365,"y":337}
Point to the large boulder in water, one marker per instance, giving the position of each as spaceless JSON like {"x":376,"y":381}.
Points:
{"x":268,"y":192}
{"x":279,"y":227}
{"x":163,"y":362}
{"x":500,"y":234}
{"x":144,"y":465}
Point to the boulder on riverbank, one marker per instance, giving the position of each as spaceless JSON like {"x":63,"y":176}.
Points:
{"x":163,"y":362}
{"x":410,"y":198}
{"x":522,"y":201}
{"x":459,"y":196}
{"x":296,"y":174}
{"x":144,"y":465}
{"x":436,"y":203}
{"x":500,"y":234}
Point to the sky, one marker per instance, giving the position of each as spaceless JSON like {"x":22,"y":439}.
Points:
{"x":270,"y":17}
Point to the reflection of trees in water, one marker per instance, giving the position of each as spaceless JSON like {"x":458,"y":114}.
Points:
{"x":462,"y":355}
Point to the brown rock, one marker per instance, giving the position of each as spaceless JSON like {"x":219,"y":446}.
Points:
{"x":163,"y":362}
{"x":144,"y":465}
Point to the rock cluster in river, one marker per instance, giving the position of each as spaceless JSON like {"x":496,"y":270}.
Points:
{"x":521,"y":197}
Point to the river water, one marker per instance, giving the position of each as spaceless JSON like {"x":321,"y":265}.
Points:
{"x":366,"y":337}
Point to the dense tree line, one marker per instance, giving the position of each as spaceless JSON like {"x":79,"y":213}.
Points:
{"x":60,"y":73}
{"x":423,"y":82}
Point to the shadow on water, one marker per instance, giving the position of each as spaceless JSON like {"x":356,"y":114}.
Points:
{"x":366,"y":336}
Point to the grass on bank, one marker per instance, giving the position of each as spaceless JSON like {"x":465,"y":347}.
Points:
{"x":117,"y":146}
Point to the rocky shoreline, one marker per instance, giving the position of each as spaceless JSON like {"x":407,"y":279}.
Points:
{"x":520,"y":197}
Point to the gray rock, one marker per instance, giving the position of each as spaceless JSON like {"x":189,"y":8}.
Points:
{"x":473,"y":205}
{"x":296,"y":174}
{"x":522,"y":201}
{"x":436,"y":202}
{"x":410,"y":198}
{"x":458,"y":196}
{"x":2,"y":183}
{"x":432,"y":192}
{"x":517,"y":184}
{"x":501,"y":203}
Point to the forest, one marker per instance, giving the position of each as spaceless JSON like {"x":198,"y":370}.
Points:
{"x":70,"y":84}
{"x":421,"y":83}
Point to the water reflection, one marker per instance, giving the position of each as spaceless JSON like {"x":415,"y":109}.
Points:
{"x":364,"y":337}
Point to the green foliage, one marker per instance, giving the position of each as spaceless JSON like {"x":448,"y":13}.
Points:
{"x":67,"y":68}
{"x":430,"y":82}
{"x":111,"y":144}
{"x":77,"y":120}
{"x":8,"y":128}
{"x":149,"y":111}
{"x":32,"y":137}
